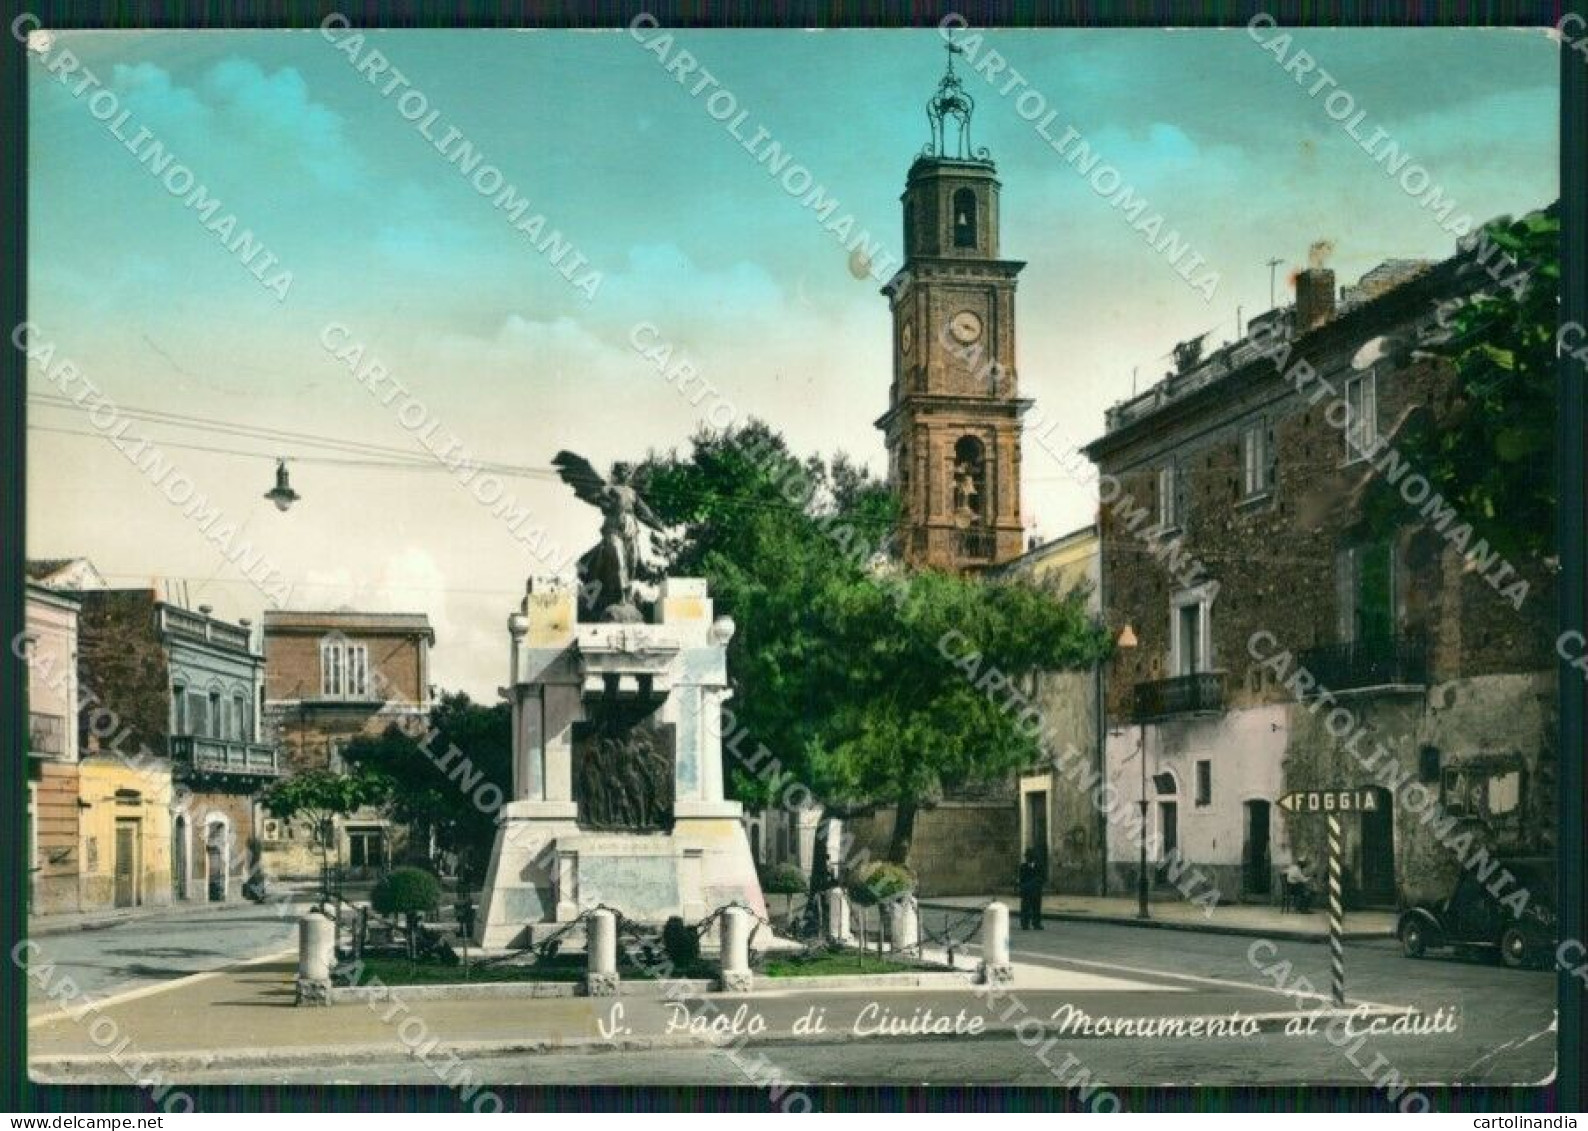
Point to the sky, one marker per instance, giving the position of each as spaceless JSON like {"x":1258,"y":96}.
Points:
{"x":386,"y":239}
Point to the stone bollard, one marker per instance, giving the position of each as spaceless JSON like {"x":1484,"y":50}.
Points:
{"x":601,"y":954}
{"x":838,"y":916}
{"x":735,"y":952}
{"x":995,"y":965}
{"x":316,"y":956}
{"x":904,"y":923}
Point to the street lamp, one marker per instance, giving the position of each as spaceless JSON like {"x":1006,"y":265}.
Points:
{"x":282,"y":493}
{"x":1125,"y":642}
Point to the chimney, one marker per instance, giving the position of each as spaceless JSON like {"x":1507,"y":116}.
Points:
{"x":1315,"y":289}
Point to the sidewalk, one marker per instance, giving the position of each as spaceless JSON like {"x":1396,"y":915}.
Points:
{"x":41,"y":925}
{"x":1248,"y":919}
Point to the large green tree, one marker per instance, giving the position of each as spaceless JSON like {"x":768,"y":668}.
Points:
{"x":839,"y":663}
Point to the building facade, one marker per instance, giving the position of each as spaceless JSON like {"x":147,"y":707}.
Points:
{"x":53,"y":836}
{"x":952,"y":427}
{"x":172,"y":757}
{"x":329,"y":678}
{"x":1238,"y":546}
{"x":1057,"y":815}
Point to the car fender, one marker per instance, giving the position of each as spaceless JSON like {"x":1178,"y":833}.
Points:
{"x":1436,"y":932}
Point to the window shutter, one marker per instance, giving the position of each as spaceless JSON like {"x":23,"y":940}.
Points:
{"x":1180,"y":513}
{"x":1271,"y":455}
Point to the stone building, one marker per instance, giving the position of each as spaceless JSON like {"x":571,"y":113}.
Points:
{"x":1234,"y":527}
{"x":49,"y":645}
{"x":1057,"y":816}
{"x":329,"y":678}
{"x":172,"y":756}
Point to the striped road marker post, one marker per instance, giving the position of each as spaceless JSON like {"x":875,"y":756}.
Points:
{"x":1336,"y":915}
{"x":1332,"y":803}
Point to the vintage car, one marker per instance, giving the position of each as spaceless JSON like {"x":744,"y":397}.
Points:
{"x":1474,"y":918}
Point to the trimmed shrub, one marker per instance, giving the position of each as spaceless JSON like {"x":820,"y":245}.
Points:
{"x":878,"y":882}
{"x":783,"y":879}
{"x":681,"y":943}
{"x":409,"y":892}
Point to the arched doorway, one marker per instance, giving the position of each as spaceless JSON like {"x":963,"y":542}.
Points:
{"x":217,"y":856}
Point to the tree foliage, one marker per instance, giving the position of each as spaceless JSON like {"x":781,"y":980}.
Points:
{"x":439,"y":792}
{"x":839,"y":663}
{"x":318,"y":796}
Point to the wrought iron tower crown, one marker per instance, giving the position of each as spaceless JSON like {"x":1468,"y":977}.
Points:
{"x":951,"y":103}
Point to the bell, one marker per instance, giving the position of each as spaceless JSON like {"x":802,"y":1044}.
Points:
{"x":282,"y":493}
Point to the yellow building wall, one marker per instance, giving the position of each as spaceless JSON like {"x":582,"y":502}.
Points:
{"x":117,"y":791}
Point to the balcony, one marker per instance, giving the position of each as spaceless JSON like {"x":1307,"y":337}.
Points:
{"x":46,"y":735}
{"x":1201,"y":693}
{"x":226,"y":756}
{"x":1391,"y":661}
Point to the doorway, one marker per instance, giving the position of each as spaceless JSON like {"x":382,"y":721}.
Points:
{"x":126,"y":863}
{"x":1037,"y":828}
{"x":1377,"y":866}
{"x":179,"y":863}
{"x":215,"y":861}
{"x":1256,"y":859}
{"x":1168,"y":828}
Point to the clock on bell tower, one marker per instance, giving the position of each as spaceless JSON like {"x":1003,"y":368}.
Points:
{"x":954,"y":412}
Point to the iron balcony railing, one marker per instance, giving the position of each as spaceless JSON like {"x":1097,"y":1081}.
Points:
{"x":1379,"y":662}
{"x":46,"y":734}
{"x":977,"y":543}
{"x":1197,"y":694}
{"x":225,"y":756}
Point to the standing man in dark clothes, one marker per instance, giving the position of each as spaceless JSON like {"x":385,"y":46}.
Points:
{"x":1030,"y":892}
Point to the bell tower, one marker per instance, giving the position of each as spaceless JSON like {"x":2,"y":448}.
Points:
{"x":954,"y":411}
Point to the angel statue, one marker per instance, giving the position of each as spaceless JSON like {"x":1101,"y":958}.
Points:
{"x":610,"y":571}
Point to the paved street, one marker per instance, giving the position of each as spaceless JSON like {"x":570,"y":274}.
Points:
{"x":146,"y":951}
{"x":1502,"y":1035}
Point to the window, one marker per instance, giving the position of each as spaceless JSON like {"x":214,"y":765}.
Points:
{"x":179,"y":715}
{"x":965,"y":218}
{"x":1171,"y":496}
{"x":240,"y":728}
{"x":1205,"y":782}
{"x":358,"y":670}
{"x":1361,"y":427}
{"x":198,"y":714}
{"x":217,"y":721}
{"x":1190,"y":633}
{"x":1365,"y":581}
{"x":1257,"y":460}
{"x":344,"y":670}
{"x":331,"y":669}
{"x":366,"y":848}
{"x":334,"y":760}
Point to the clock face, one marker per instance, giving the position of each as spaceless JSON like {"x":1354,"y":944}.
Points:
{"x":907,"y":337}
{"x":965,"y":327}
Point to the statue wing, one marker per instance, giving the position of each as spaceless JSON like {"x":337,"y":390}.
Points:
{"x":585,"y":480}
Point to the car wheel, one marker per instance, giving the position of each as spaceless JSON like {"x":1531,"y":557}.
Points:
{"x":1414,"y":940}
{"x":1514,"y":951}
